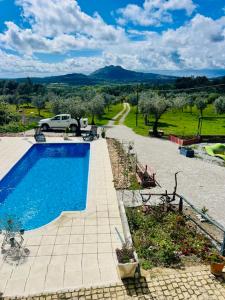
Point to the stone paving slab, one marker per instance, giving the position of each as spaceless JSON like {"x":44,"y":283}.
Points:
{"x":78,"y":248}
{"x":193,"y":283}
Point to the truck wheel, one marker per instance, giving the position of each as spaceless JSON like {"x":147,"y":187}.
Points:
{"x":45,"y":127}
{"x":73,"y":128}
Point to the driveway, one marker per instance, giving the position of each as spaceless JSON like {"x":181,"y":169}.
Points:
{"x":200,"y":182}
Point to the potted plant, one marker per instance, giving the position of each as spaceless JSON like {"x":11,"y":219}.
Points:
{"x":217,"y":263}
{"x":201,"y":216}
{"x":127,"y":263}
{"x":65,"y":135}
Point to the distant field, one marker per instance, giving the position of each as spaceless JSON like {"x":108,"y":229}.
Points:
{"x":32,"y":112}
{"x":113,"y":111}
{"x":179,"y":123}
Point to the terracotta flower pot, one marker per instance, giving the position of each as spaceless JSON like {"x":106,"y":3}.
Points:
{"x":217,"y":268}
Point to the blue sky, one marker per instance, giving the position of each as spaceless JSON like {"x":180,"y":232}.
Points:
{"x":50,"y":37}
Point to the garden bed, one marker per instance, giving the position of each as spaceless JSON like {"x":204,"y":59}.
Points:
{"x":123,"y":166}
{"x":166,"y":238}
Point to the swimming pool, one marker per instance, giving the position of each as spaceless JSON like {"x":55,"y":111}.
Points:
{"x":48,"y":179}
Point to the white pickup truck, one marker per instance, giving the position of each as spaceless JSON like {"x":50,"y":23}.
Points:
{"x":62,"y":121}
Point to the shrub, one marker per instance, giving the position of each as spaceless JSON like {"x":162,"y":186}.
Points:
{"x":125,"y":255}
{"x":161,"y":238}
{"x":215,"y":257}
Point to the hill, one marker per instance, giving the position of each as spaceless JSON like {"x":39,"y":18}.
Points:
{"x":118,"y":74}
{"x":72,"y":79}
{"x":106,"y":75}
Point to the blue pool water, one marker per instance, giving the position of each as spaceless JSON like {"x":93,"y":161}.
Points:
{"x":48,"y":179}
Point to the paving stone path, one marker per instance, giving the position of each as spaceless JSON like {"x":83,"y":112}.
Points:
{"x":159,"y":284}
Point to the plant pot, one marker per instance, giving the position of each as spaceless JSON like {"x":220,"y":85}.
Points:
{"x":127,"y":270}
{"x":65,"y":137}
{"x":217,"y":268}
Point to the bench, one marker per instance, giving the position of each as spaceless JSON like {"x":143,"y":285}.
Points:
{"x":145,"y":176}
{"x":160,"y":133}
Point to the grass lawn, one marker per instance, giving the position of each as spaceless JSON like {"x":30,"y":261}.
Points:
{"x":179,"y":123}
{"x":108,"y":115}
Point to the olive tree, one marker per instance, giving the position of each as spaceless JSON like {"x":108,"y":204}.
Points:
{"x":180,"y":101}
{"x":77,"y":109}
{"x":152,"y":103}
{"x":4,"y":113}
{"x":108,"y":99}
{"x":190,"y":102}
{"x":96,"y":107}
{"x":57,"y":105}
{"x":39,"y":103}
{"x":132,"y":99}
{"x":220,"y":105}
{"x":201,"y":104}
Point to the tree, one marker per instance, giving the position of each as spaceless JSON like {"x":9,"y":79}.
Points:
{"x":201,"y":104}
{"x":77,"y":109}
{"x":180,"y":101}
{"x":39,"y":103}
{"x":96,"y":107}
{"x":108,"y":99}
{"x":57,"y":105}
{"x":220,"y":105}
{"x":4,"y":113}
{"x":132,"y":99}
{"x":190,"y":102}
{"x":152,"y":103}
{"x":212,"y":97}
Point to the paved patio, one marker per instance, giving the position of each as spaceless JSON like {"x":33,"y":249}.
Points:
{"x":78,"y":248}
{"x":192,"y":283}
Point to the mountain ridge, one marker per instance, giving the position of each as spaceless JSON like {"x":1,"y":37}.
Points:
{"x":107,"y":74}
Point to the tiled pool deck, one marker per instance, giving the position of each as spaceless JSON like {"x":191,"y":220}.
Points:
{"x":78,"y":248}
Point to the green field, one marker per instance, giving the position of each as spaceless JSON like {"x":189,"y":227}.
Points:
{"x":108,"y":115}
{"x":179,"y":123}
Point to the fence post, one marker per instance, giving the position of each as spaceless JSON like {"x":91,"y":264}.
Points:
{"x":181,"y":204}
{"x":223,"y":245}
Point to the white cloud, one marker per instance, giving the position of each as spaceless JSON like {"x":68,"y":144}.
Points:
{"x":154,"y":12}
{"x":199,"y":43}
{"x":58,"y":26}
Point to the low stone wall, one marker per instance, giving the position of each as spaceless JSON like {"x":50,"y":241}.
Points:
{"x":184,"y":142}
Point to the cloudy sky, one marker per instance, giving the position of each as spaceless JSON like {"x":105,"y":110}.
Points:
{"x":50,"y":37}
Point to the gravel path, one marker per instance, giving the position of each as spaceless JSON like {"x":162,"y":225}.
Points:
{"x":201,"y":182}
{"x":126,"y":110}
{"x":111,"y":122}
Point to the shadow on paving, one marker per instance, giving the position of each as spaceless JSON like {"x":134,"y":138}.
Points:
{"x":137,"y":287}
